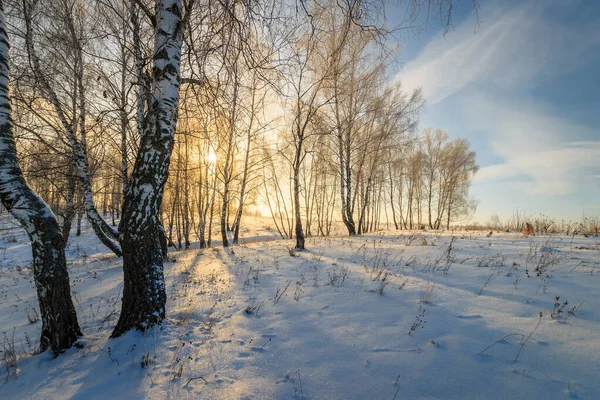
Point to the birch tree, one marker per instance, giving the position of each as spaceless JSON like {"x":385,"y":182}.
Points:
{"x":144,"y":295}
{"x":305,"y":84}
{"x":253,"y":129}
{"x":60,"y":328}
{"x":77,"y":122}
{"x":432,"y":149}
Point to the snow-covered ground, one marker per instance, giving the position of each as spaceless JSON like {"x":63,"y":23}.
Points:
{"x":382,"y":316}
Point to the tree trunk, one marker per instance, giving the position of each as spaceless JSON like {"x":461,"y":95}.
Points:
{"x":123,"y":115}
{"x":449,"y":209}
{"x":346,"y":187}
{"x":162,"y":239}
{"x":238,"y":215}
{"x":144,"y":295}
{"x":212,"y":209}
{"x":79,"y":218}
{"x":203,"y":202}
{"x":228,"y":167}
{"x":60,"y":328}
{"x":298,"y":216}
{"x":391,"y":178}
{"x":186,"y":198}
{"x":139,"y":67}
{"x":69,"y":213}
{"x":105,"y":233}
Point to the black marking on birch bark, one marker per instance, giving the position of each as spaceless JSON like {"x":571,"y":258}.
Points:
{"x":60,"y":328}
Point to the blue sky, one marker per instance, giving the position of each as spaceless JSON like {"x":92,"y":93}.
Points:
{"x":524,"y":88}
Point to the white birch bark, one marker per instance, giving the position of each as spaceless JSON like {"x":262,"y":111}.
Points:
{"x":60,"y":328}
{"x":107,"y":235}
{"x":144,"y":295}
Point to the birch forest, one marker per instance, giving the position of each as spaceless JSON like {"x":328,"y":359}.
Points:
{"x":170,"y":124}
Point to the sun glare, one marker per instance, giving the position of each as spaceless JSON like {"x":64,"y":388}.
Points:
{"x":212,"y":157}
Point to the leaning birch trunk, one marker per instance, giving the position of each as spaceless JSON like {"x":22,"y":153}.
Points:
{"x":60,"y":328}
{"x":124,"y":116}
{"x":139,"y":67}
{"x":144,"y":295}
{"x":105,"y":233}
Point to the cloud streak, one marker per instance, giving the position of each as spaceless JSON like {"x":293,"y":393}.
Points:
{"x":533,"y":144}
{"x":491,"y":73}
{"x":511,"y":47}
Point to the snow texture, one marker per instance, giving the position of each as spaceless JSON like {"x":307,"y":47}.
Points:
{"x":259,"y":321}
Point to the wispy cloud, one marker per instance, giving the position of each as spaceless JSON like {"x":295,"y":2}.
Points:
{"x":534,"y":144}
{"x":552,"y":172}
{"x":510,"y":47}
{"x":489,"y":72}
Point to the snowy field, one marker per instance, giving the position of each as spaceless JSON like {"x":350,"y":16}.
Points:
{"x":383,"y":316}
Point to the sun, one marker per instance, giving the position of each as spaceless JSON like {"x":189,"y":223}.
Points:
{"x":212,"y":157}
